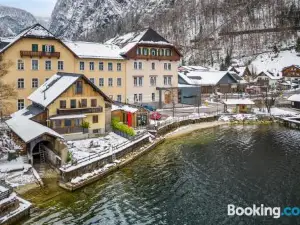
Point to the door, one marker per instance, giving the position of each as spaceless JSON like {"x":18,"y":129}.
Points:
{"x":129,"y":119}
{"x":167,"y":97}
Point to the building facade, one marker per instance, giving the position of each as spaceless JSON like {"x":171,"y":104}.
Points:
{"x":36,"y":55}
{"x":151,"y":67}
{"x":291,"y":73}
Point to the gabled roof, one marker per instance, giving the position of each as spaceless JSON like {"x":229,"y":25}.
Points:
{"x":36,"y":31}
{"x":28,"y":130}
{"x":130,"y":40}
{"x":270,"y":75}
{"x":94,"y":50}
{"x":58,"y":84}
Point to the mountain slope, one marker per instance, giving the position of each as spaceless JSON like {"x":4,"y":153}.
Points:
{"x":13,"y":20}
{"x":205,"y":30}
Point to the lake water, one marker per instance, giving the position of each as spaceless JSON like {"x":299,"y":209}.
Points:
{"x":191,"y":180}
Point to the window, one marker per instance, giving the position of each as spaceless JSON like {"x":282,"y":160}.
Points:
{"x":153,"y":51}
{"x":119,"y":66}
{"x":168,"y":52}
{"x":57,"y":123}
{"x":145,"y":51}
{"x":101,"y":82}
{"x":119,"y":98}
{"x":110,"y":67}
{"x":110,"y":82}
{"x":162,"y":52}
{"x":60,"y":65}
{"x":77,"y":122}
{"x":21,"y":104}
{"x":83,"y":103}
{"x":92,"y":80}
{"x":153,"y":97}
{"x":34,"y":83}
{"x":95,"y":119}
{"x":93,"y":102}
{"x":101,"y":66}
{"x":20,"y":64}
{"x":81,"y":65}
{"x":140,"y":65}
{"x":138,"y":81}
{"x":48,"y":65}
{"x":167,"y":66}
{"x":48,"y":48}
{"x":35,"y":64}
{"x":153,"y":80}
{"x":153,"y":66}
{"x":167,"y":80}
{"x":92,"y":66}
{"x":79,"y":87}
{"x":135,"y":65}
{"x":62,"y":104}
{"x":73,"y":103}
{"x":21,"y":83}
{"x":68,"y":123}
{"x":140,"y":97}
{"x":135,"y":98}
{"x":119,"y":82}
{"x":35,"y":48}
{"x":139,"y":51}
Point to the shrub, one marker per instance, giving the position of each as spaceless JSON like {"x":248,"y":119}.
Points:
{"x":117,"y":125}
{"x":85,"y":124}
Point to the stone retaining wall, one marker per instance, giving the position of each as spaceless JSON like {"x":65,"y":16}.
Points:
{"x":167,"y":128}
{"x":67,"y":176}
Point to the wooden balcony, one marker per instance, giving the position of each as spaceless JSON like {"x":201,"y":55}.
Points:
{"x":152,"y":57}
{"x":68,"y":130}
{"x":79,"y":111}
{"x":40,"y":54}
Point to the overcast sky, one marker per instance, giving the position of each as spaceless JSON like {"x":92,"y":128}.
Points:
{"x":36,"y":7}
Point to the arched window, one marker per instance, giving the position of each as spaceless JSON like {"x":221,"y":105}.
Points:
{"x":153,"y":52}
{"x":145,"y":51}
{"x":162,"y":52}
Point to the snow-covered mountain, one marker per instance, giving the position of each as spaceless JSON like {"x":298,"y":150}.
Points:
{"x":201,"y":28}
{"x":13,"y":20}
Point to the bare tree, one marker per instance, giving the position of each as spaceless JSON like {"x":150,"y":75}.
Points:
{"x":269,"y":98}
{"x":7,"y":91}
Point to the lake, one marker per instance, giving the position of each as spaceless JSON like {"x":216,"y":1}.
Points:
{"x":190,"y":180}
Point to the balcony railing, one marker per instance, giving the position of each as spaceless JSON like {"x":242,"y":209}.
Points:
{"x":40,"y":54}
{"x":79,"y":111}
{"x":68,"y":130}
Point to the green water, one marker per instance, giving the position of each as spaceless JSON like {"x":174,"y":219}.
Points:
{"x":187,"y":180}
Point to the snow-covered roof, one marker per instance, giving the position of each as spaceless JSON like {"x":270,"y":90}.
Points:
{"x":270,"y":75}
{"x":28,"y":112}
{"x":207,"y":77}
{"x":53,"y":88}
{"x":94,"y":50}
{"x":29,"y":130}
{"x":239,"y":69}
{"x":294,"y":98}
{"x":245,"y":101}
{"x":192,"y":68}
{"x":35,"y":30}
{"x":125,"y":108}
{"x":128,"y":41}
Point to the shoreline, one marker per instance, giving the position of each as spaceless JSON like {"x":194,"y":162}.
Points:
{"x":194,"y":127}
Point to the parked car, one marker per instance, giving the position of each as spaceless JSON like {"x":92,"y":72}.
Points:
{"x":149,"y":107}
{"x":155,"y":116}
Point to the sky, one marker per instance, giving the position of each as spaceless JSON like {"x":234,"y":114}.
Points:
{"x":36,"y":7}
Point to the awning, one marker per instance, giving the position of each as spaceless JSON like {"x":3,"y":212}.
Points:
{"x":68,"y":117}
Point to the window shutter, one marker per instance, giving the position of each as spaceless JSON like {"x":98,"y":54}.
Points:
{"x":52,"y":48}
{"x":44,"y":48}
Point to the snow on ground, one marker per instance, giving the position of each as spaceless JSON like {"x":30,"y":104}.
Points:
{"x":269,"y":61}
{"x":237,"y":117}
{"x":84,"y":148}
{"x":275,"y":112}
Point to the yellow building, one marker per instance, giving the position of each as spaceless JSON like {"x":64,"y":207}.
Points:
{"x":37,"y":54}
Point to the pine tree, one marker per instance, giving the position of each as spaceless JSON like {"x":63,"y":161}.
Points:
{"x":298,"y":45}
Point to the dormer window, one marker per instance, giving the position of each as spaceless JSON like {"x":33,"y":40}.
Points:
{"x":153,"y":52}
{"x":162,"y":52}
{"x":48,"y":48}
{"x":168,"y":52}
{"x":139,"y":51}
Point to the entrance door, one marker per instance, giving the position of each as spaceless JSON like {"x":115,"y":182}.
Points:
{"x":167,"y":97}
{"x":129,"y":119}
